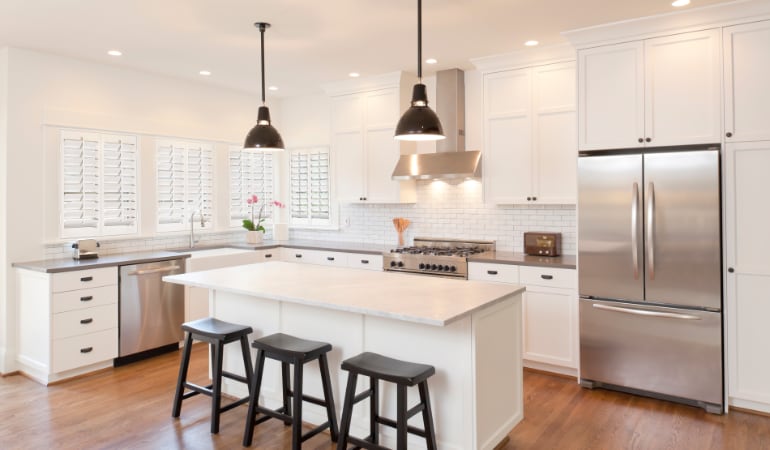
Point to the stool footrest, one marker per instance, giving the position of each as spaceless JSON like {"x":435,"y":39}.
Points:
{"x":365,"y":444}
{"x":392,"y":423}
{"x":234,"y":404}
{"x":315,"y":431}
{"x":362,"y":396}
{"x":313,"y":400}
{"x":236,"y":377}
{"x":274,"y":413}
{"x":197,"y":389}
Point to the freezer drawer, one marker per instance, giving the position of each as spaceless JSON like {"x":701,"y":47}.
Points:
{"x":669,"y":351}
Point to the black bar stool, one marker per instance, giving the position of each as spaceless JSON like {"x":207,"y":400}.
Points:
{"x":291,"y":350}
{"x":217,"y":333}
{"x":404,"y":374}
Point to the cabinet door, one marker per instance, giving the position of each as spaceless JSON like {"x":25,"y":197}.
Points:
{"x":348,"y":147}
{"x":382,"y":152}
{"x":508,"y":147}
{"x":555,"y":147}
{"x":747,"y":71}
{"x":747,"y":290}
{"x":611,"y":96}
{"x":550,"y":326}
{"x":682,"y":88}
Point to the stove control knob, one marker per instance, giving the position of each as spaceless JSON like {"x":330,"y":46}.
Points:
{"x":422,"y":266}
{"x":440,"y":267}
{"x":453,"y":269}
{"x":400,"y":264}
{"x":392,"y":264}
{"x":447,"y":268}
{"x":433,"y":267}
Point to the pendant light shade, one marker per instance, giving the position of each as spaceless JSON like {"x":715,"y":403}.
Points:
{"x":263,"y":137}
{"x":419,"y":122}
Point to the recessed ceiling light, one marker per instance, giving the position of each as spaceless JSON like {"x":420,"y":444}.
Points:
{"x":679,"y":3}
{"x":114,"y":53}
{"x":273,"y":88}
{"x":354,"y":74}
{"x":431,"y":61}
{"x":205,"y":73}
{"x":531,"y":43}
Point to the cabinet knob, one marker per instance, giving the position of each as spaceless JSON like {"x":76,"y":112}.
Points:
{"x":364,"y":261}
{"x":534,"y":198}
{"x":546,"y":277}
{"x":729,"y":134}
{"x":87,"y":298}
{"x":492,"y":272}
{"x":730,"y":269}
{"x":529,"y":199}
{"x":298,"y":255}
{"x":86,"y":350}
{"x":648,"y":139}
{"x":269,"y":255}
{"x":86,"y":321}
{"x":641,"y":140}
{"x":330,"y":258}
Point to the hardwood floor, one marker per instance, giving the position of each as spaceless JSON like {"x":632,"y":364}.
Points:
{"x":130,"y":408}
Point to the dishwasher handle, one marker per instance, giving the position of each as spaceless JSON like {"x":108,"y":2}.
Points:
{"x":154,"y":270}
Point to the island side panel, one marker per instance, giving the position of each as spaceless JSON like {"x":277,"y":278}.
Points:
{"x":497,"y":332}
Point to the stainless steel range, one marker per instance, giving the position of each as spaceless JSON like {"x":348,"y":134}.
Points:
{"x":437,"y":257}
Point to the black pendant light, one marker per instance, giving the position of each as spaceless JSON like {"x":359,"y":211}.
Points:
{"x":263,"y":137}
{"x":419,"y":122}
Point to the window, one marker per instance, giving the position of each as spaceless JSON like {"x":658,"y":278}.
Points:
{"x":310,"y":187}
{"x":99,"y":190}
{"x":185,"y":183}
{"x":250,"y":173}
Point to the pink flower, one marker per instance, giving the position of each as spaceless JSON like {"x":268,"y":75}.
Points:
{"x":278,"y":204}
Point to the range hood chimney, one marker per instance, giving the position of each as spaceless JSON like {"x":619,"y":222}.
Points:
{"x":450,"y":160}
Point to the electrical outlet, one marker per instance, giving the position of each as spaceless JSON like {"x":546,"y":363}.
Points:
{"x":347,"y":221}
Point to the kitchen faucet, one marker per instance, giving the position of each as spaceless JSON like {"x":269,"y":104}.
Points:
{"x":192,"y":227}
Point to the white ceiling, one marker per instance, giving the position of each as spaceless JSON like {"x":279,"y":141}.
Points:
{"x":311,"y":42}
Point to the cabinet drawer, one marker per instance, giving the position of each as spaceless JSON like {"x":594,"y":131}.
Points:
{"x":502,"y":273}
{"x":544,"y":276}
{"x":332,"y":259}
{"x":78,"y":351}
{"x":84,"y":298}
{"x":82,"y":279}
{"x":367,"y":262}
{"x":82,"y":321}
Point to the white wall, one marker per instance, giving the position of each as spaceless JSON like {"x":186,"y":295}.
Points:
{"x":4,"y":332}
{"x":47,"y":91}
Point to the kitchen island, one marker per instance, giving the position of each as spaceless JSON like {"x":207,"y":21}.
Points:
{"x":470,"y":331}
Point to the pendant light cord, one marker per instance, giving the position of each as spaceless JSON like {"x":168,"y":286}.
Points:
{"x":419,"y":40}
{"x":262,"y":45}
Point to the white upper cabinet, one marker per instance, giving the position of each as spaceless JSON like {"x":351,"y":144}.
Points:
{"x":660,"y":91}
{"x":363,"y":149}
{"x":529,"y":149}
{"x":747,"y":71}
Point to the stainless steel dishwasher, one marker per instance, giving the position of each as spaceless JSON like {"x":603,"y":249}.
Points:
{"x":151,"y":311}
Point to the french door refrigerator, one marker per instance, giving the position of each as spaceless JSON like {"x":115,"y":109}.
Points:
{"x":650,"y":275}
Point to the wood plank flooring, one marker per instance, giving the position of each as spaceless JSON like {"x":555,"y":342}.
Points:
{"x":130,"y":408}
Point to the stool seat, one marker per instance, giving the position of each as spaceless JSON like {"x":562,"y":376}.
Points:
{"x":292,"y":346}
{"x":388,"y":369}
{"x":216,"y":329}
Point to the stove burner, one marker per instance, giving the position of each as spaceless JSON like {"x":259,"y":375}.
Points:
{"x":439,"y":251}
{"x":447,"y":257}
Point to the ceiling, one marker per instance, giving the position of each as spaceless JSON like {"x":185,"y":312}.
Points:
{"x":310,"y":42}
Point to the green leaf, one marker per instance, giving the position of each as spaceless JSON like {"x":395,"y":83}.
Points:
{"x":249,"y":225}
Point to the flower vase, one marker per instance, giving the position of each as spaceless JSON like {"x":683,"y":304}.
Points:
{"x":254,"y":237}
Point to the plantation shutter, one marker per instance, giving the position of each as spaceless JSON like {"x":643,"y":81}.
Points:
{"x":310,"y":186}
{"x":250,"y":173}
{"x":119,"y":192}
{"x":185,"y":183}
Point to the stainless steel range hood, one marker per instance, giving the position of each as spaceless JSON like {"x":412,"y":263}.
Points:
{"x":450,"y":160}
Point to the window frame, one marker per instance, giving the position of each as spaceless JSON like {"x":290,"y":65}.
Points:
{"x":311,"y":222}
{"x":264,"y":199}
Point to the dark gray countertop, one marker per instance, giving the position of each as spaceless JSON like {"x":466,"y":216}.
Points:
{"x":348,"y":247}
{"x":520,"y":259}
{"x":69,"y":265}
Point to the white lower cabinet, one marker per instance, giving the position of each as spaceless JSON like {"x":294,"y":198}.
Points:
{"x":550,"y":325}
{"x":68,"y":322}
{"x":364,"y":261}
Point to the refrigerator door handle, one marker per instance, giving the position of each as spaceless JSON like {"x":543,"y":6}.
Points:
{"x":642,"y":312}
{"x":634,"y":228}
{"x":651,"y":230}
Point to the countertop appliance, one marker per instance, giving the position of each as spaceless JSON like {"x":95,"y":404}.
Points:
{"x":650,"y":272}
{"x":85,"y":249}
{"x":437,"y":257}
{"x":151,"y":311}
{"x":542,"y":244}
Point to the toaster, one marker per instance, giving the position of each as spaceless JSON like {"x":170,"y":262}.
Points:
{"x":542,"y":244}
{"x":85,"y":249}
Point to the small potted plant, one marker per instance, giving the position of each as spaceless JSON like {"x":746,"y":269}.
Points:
{"x":256,"y":231}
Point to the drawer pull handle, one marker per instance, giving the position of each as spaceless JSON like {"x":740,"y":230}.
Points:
{"x":269,"y":255}
{"x":86,"y":321}
{"x":84,"y":279}
{"x":87,"y":298}
{"x":86,"y":350}
{"x":298,"y":255}
{"x":492,"y":272}
{"x":330,"y":258}
{"x":546,"y":277}
{"x":364,"y":261}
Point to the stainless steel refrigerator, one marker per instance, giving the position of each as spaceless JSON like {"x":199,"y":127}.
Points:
{"x":650,"y":272}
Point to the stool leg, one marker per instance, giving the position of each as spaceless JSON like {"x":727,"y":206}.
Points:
{"x":182,"y":379}
{"x":216,"y":384}
{"x":374,"y":410}
{"x":296,"y":423}
{"x":400,"y":417}
{"x":427,"y":416}
{"x":247,"y":367}
{"x":251,"y":415}
{"x":286,"y":390}
{"x":347,"y":411}
{"x":329,"y":397}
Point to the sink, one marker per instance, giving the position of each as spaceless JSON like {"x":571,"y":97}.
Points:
{"x":209,"y":252}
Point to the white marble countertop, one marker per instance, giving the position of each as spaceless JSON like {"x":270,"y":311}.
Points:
{"x":414,"y":298}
